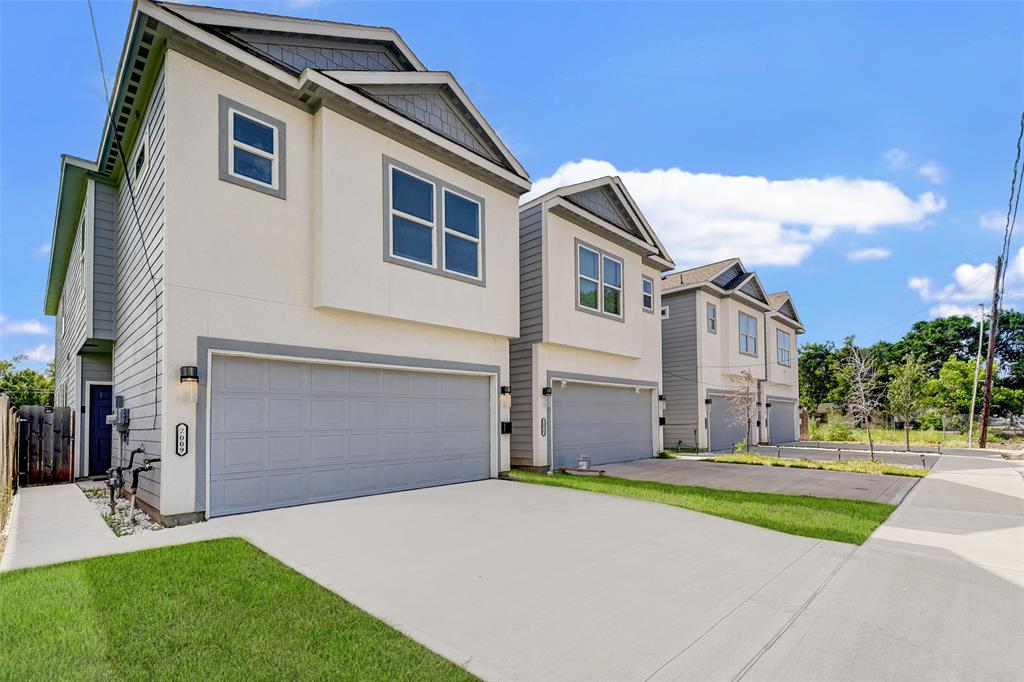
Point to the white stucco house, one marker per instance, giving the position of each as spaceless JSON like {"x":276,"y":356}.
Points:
{"x":321,"y":231}
{"x":717,"y":321}
{"x":586,"y":369}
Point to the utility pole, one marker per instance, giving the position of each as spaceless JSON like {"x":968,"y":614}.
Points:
{"x":977,"y":369}
{"x":993,"y":330}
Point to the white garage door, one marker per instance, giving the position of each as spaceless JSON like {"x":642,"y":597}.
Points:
{"x":605,"y":423}
{"x":782,"y":421}
{"x":286,"y":433}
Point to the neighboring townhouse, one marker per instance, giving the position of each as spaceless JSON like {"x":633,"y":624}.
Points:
{"x":717,"y":321}
{"x":586,"y":370}
{"x":294,"y":264}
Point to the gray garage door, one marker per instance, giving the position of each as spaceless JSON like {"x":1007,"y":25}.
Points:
{"x":782,"y":421}
{"x":288,"y":433}
{"x":606,"y":423}
{"x":724,"y":434}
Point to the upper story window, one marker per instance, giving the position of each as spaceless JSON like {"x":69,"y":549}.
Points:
{"x":140,"y":160}
{"x":461,"y":234}
{"x":783,"y":349}
{"x":252,"y":148}
{"x":648,"y":294}
{"x":748,"y":334}
{"x":712,"y":317}
{"x":432,"y":226}
{"x":598,"y":281}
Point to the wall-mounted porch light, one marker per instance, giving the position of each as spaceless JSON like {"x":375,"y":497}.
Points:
{"x":707,"y":401}
{"x":189,"y":378}
{"x":506,"y":396}
{"x":546,"y":390}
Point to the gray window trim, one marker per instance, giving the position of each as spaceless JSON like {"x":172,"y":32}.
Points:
{"x":711,"y":322}
{"x":440,"y":187}
{"x":601,"y":255}
{"x":752,"y":339}
{"x":225,"y":106}
{"x":779,"y":333}
{"x":645,"y":278}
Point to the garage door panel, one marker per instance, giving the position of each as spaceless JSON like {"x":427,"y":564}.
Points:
{"x":724,"y":431}
{"x":288,"y":433}
{"x":782,"y":421}
{"x":605,"y":423}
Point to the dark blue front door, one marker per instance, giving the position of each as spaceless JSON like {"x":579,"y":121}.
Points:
{"x":100,"y":400}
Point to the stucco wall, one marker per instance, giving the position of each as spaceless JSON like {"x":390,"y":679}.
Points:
{"x":245,"y":265}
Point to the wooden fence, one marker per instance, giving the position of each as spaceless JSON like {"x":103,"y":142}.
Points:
{"x":45,"y":445}
{"x":8,"y":445}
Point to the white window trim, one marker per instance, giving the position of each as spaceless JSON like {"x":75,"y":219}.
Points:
{"x":415,"y":219}
{"x":643,"y":294}
{"x":711,"y":319}
{"x":580,"y":275}
{"x":236,"y":144}
{"x":788,"y":348}
{"x":462,"y":235}
{"x":751,"y":338}
{"x":622,"y":278}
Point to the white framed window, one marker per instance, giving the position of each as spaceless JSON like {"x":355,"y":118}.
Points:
{"x":461,"y":234}
{"x":588,"y":277}
{"x":252,"y":148}
{"x":782,"y":354}
{"x":748,"y":334}
{"x":412,"y":217}
{"x":647,"y":285}
{"x":140,"y":158}
{"x":712,"y":317}
{"x":611,"y":276}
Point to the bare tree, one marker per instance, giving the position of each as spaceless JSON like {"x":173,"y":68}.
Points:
{"x":742,"y":404}
{"x":862,"y":397}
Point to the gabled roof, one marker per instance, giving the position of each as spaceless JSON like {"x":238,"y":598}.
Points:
{"x":782,"y":303}
{"x":725,"y":277}
{"x":605,"y":206}
{"x":73,"y":175}
{"x":703,"y":273}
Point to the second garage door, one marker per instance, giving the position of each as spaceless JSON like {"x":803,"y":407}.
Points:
{"x":606,"y":423}
{"x":782,"y":421}
{"x":285,"y":433}
{"x":723,"y":431}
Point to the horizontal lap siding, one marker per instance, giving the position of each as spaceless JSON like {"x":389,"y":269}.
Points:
{"x":71,"y":319}
{"x":679,"y":367}
{"x":138,"y":350}
{"x":104,"y":265}
{"x":531,"y":329}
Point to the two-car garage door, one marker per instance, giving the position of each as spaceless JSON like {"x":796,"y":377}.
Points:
{"x":285,"y":433}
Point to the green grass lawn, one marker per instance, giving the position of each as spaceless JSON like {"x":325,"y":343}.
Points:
{"x":206,"y":611}
{"x":859,"y":466}
{"x":813,"y":517}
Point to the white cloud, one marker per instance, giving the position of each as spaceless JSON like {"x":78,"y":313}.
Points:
{"x":41,"y":353}
{"x":42,"y":250}
{"x":9,"y":327}
{"x":971,"y":285}
{"x":704,"y":217}
{"x":896,"y":158}
{"x":931,"y":171}
{"x":872,"y":253}
{"x":992,"y":220}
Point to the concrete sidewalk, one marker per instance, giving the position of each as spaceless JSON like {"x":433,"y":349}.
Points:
{"x":56,"y":523}
{"x":937,"y":593}
{"x":764,"y":479}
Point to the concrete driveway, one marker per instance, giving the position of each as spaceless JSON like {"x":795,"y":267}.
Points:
{"x":751,"y":478}
{"x":534,"y":583}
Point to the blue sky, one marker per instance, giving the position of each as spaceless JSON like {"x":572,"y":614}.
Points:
{"x":857,"y":155}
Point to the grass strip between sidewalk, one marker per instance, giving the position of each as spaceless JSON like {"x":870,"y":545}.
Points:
{"x":857,"y":466}
{"x":850,"y":521}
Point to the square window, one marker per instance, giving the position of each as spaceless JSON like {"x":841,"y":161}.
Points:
{"x":599,"y":281}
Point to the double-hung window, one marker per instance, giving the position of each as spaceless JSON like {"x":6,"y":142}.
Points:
{"x":598,"y":281}
{"x":648,"y":294}
{"x":748,"y":334}
{"x":251,"y":148}
{"x":783,"y":352}
{"x":461,"y":234}
{"x":412,"y":217}
{"x":712,"y":317}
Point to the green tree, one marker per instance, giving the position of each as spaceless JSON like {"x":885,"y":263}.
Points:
{"x":26,"y":386}
{"x":906,"y":392}
{"x":951,"y":390}
{"x":935,"y":341}
{"x":817,"y":368}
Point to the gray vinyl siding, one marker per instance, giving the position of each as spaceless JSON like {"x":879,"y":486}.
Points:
{"x":138,"y":349}
{"x":679,"y":367}
{"x":104,"y":264}
{"x":71,"y":320}
{"x":531,"y":331}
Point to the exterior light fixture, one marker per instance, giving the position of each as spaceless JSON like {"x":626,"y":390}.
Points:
{"x":546,"y":390}
{"x":189,"y":378}
{"x":768,"y":404}
{"x":662,"y":398}
{"x":707,"y":401}
{"x":506,"y":397}
{"x":506,"y":390}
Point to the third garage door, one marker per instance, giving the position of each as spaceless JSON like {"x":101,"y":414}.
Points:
{"x":723,"y":430}
{"x":284,"y":433}
{"x":606,"y":423}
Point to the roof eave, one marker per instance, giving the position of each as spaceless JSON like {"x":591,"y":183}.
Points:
{"x":70,"y":195}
